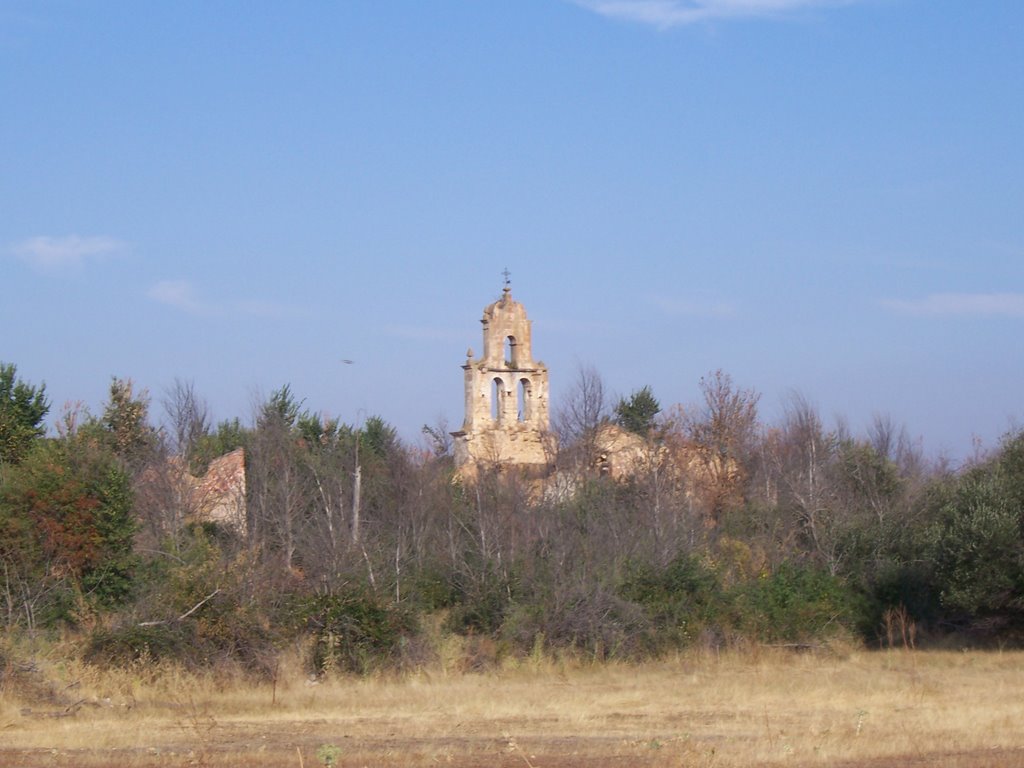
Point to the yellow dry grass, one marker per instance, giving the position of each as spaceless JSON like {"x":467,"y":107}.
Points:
{"x":763,"y":707}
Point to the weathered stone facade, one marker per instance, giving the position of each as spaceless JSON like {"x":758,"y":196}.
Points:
{"x":506,"y":422}
{"x":219,"y":495}
{"x":175,"y":497}
{"x":621,"y":454}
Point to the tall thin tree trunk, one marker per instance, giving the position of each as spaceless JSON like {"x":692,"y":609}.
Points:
{"x":357,"y":489}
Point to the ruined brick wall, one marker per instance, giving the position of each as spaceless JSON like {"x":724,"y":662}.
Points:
{"x":219,"y":495}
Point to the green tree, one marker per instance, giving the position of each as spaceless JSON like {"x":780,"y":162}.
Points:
{"x":22,"y":410}
{"x":638,"y":412}
{"x":66,"y":532}
{"x":1011,"y":469}
{"x":229,"y":435}
{"x":125,"y":421}
{"x":378,"y":438}
{"x":795,"y":603}
{"x":978,"y":550}
{"x":282,"y":407}
{"x":279,"y":488}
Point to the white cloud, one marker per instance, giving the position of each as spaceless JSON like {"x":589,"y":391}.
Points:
{"x":1002,"y":304}
{"x":181,"y":295}
{"x":63,"y":253}
{"x":672,"y":13}
{"x":178,"y":294}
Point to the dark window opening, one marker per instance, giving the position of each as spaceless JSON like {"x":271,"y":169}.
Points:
{"x":496,"y":389}
{"x":510,"y":352}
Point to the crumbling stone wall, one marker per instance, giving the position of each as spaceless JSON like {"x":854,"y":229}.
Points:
{"x":219,"y":495}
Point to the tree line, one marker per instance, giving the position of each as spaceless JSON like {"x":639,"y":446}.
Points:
{"x":727,"y":530}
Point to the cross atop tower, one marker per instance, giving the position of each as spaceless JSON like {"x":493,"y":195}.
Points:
{"x":508,"y":280}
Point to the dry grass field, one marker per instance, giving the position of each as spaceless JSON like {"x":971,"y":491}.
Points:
{"x":764,"y":707}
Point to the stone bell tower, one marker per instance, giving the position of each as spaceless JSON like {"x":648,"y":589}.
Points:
{"x":506,"y":419}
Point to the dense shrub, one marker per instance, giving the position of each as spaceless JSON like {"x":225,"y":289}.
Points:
{"x":909,"y":587}
{"x":794,"y":603}
{"x":682,"y":600}
{"x":479,"y":604}
{"x":127,"y":643}
{"x":220,"y":639}
{"x":197,"y":604}
{"x":66,"y":533}
{"x":432,"y":589}
{"x":687,"y":602}
{"x":978,"y":553}
{"x":354,"y":631}
{"x":593,"y":621}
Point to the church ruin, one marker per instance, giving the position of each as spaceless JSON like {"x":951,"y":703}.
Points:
{"x":506,"y":422}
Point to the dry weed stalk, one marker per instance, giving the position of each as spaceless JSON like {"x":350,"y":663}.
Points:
{"x":513,"y":748}
{"x":899,"y":627}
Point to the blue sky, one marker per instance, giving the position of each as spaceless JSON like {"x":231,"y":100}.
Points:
{"x":825,"y":197}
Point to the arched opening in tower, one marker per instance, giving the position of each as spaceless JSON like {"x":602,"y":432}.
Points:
{"x":510,"y":352}
{"x":523,"y":400}
{"x":497,"y":387}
